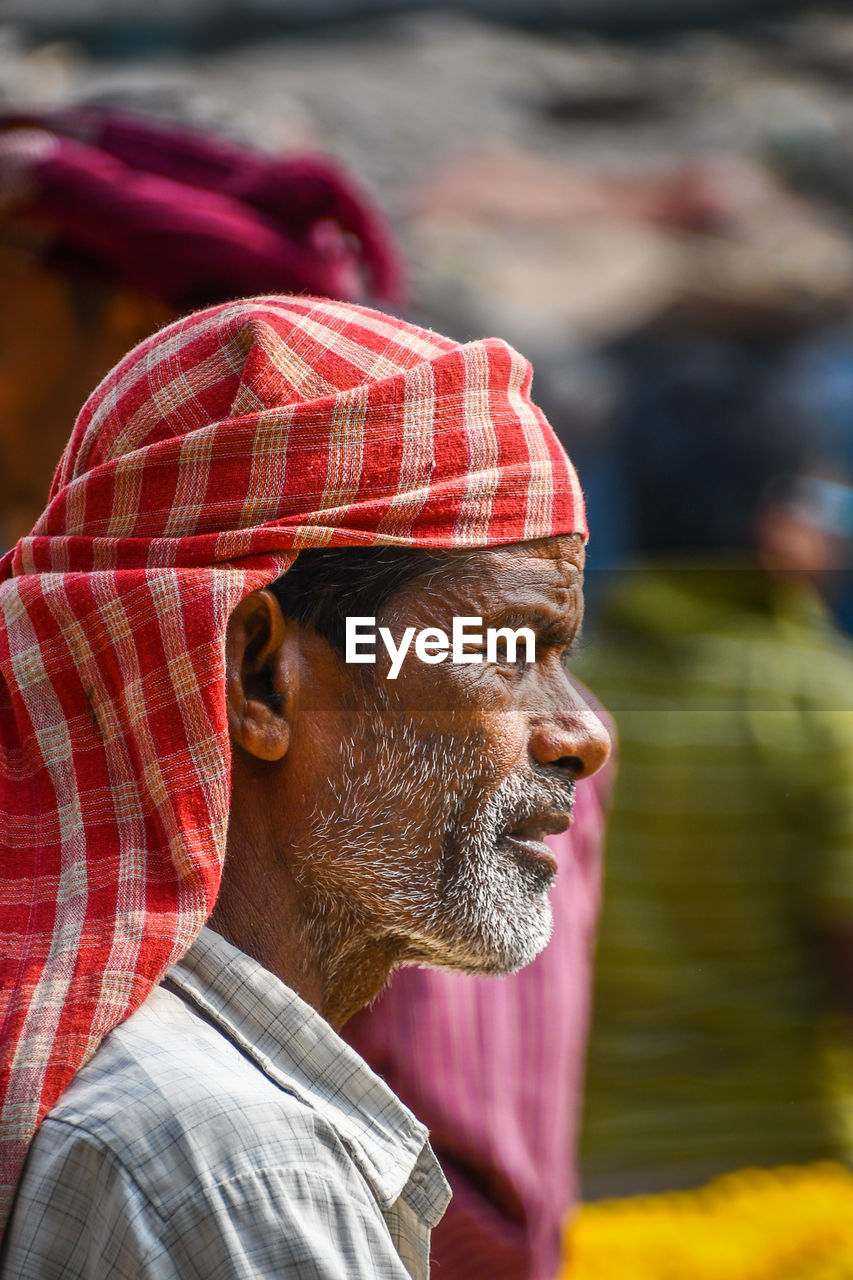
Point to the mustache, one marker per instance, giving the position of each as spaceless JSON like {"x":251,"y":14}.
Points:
{"x":527,"y":797}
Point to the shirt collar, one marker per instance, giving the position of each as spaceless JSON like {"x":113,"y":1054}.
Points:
{"x":297,"y":1049}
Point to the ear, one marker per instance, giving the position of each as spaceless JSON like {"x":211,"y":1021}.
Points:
{"x":259,"y":684}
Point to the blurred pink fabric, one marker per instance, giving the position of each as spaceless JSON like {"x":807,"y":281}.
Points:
{"x":188,"y":217}
{"x":495,"y":1067}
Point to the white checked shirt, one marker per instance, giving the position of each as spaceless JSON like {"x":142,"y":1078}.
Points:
{"x":225,"y":1132}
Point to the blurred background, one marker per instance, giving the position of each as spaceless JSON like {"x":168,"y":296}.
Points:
{"x":654,"y":202}
{"x":568,"y":173}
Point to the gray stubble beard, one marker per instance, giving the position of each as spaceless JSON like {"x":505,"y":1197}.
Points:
{"x":477,"y":908}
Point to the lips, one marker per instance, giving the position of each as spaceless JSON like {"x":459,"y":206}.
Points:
{"x":541,"y":824}
{"x":526,"y":838}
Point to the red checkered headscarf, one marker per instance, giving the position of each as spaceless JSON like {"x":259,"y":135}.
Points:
{"x":200,"y":466}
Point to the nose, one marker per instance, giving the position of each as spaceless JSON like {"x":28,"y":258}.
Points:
{"x":572,"y":737}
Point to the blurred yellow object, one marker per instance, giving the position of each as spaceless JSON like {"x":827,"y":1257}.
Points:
{"x":790,"y":1223}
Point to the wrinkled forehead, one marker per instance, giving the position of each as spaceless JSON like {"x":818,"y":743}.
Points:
{"x":546,"y":571}
{"x":551,"y":558}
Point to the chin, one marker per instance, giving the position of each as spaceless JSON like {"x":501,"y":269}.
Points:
{"x":500,"y":943}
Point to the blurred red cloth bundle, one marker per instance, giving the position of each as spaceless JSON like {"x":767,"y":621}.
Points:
{"x":189,"y":217}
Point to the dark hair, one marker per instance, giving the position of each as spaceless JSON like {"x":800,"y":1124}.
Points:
{"x":328,"y":584}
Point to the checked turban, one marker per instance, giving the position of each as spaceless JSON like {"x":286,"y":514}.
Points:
{"x":197,"y":470}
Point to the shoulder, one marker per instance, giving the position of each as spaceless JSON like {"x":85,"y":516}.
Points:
{"x":170,"y":1099}
{"x":172,"y":1156}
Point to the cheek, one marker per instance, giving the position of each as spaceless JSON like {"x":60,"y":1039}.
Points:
{"x":474,"y":715}
{"x":506,"y":744}
{"x":318,"y":759}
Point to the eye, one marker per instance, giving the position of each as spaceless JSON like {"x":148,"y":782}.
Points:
{"x":518,"y":659}
{"x":512,"y":649}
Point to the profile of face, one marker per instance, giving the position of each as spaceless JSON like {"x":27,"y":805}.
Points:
{"x":411,"y":812}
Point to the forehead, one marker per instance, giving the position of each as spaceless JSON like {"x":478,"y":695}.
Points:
{"x":550,"y":569}
{"x":551,"y":560}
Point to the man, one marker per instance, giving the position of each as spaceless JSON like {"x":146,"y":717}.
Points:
{"x":176,"y":691}
{"x":112,"y":226}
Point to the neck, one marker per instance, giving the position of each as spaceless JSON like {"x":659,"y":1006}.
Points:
{"x":322,"y":950}
{"x":354,"y":976}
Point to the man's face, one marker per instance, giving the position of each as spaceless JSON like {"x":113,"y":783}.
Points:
{"x":415,"y":808}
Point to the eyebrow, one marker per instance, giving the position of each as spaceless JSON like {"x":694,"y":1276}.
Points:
{"x":551,"y":629}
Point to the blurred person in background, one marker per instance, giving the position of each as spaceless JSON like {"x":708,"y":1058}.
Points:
{"x":819,"y":381}
{"x":726,"y":938}
{"x":112,"y":225}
